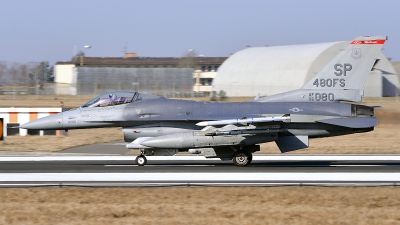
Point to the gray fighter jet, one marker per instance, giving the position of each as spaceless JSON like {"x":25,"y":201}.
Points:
{"x":160,"y":126}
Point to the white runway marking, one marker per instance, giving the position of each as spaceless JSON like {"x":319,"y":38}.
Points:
{"x":182,"y":165}
{"x":200,"y":177}
{"x":159,"y":165}
{"x":120,"y":165}
{"x":357,"y":165}
{"x":269,"y":158}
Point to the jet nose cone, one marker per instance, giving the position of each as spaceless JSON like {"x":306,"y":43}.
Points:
{"x":53,"y":122}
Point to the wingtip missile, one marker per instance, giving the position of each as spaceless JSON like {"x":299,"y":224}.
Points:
{"x":244,"y":121}
{"x":202,"y":124}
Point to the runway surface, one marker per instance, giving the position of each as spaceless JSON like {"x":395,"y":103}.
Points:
{"x":117,"y":147}
{"x":87,"y":170}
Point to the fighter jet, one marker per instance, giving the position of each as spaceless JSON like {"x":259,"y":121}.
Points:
{"x":234,"y":130}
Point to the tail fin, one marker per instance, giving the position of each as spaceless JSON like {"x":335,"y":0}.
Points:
{"x":350,"y":68}
{"x":343,"y":78}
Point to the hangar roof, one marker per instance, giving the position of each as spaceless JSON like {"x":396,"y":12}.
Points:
{"x":271,"y":70}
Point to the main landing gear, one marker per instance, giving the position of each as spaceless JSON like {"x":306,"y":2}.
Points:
{"x":141,"y":159}
{"x":242,"y":158}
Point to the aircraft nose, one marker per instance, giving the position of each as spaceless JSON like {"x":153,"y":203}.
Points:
{"x":53,"y":122}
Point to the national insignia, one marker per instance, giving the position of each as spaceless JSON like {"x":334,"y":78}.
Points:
{"x":356,"y":53}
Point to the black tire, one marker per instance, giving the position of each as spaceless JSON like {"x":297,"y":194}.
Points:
{"x":141,"y":160}
{"x":242,"y":158}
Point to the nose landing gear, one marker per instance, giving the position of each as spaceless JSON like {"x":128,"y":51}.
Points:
{"x":141,"y":159}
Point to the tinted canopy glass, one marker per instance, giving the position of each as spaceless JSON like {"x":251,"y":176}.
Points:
{"x":111,"y":98}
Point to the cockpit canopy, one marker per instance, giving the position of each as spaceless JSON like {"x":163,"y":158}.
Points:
{"x":116,"y":98}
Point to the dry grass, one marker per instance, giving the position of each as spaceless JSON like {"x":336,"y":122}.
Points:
{"x":383,"y":140}
{"x":42,"y":101}
{"x":75,"y":138}
{"x":68,"y":100}
{"x":244,"y":205}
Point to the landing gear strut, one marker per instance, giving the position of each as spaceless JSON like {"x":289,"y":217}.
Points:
{"x":141,"y":159}
{"x":242,"y":158}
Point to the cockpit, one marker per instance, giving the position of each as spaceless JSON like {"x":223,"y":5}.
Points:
{"x":116,"y":98}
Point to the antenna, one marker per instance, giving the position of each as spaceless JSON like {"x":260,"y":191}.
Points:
{"x":125,"y":49}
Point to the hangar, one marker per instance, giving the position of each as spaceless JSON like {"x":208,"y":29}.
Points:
{"x":273,"y":70}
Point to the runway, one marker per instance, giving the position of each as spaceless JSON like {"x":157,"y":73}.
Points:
{"x":265,"y":170}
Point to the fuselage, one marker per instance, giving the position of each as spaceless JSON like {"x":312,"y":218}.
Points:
{"x":160,"y":116}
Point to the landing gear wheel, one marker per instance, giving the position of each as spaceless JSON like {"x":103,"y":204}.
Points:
{"x":141,"y":160}
{"x":242,"y":158}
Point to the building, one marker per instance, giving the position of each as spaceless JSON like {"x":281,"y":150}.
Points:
{"x":272,"y":70}
{"x":165,"y":76}
{"x":203,"y":80}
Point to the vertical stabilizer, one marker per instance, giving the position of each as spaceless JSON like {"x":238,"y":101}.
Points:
{"x":350,"y":68}
{"x":342,"y":79}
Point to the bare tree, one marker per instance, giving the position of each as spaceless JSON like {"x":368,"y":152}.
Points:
{"x":188,"y":60}
{"x":78,"y":56}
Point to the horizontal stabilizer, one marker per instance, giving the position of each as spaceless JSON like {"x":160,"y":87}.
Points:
{"x":291,"y":143}
{"x":351,"y":122}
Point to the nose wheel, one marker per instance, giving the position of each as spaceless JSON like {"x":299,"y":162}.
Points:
{"x":141,"y":160}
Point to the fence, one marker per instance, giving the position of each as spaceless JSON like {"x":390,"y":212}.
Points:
{"x":24,"y":78}
{"x":159,"y":81}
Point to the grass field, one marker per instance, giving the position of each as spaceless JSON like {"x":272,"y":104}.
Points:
{"x":201,"y":205}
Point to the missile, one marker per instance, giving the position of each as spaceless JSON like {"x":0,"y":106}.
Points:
{"x":243,"y":121}
{"x":179,"y":141}
{"x":136,"y":144}
{"x":238,"y":132}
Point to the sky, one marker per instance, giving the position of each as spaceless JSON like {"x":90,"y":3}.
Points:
{"x":48,"y":30}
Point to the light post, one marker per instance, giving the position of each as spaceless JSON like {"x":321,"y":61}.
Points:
{"x":82,"y":55}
